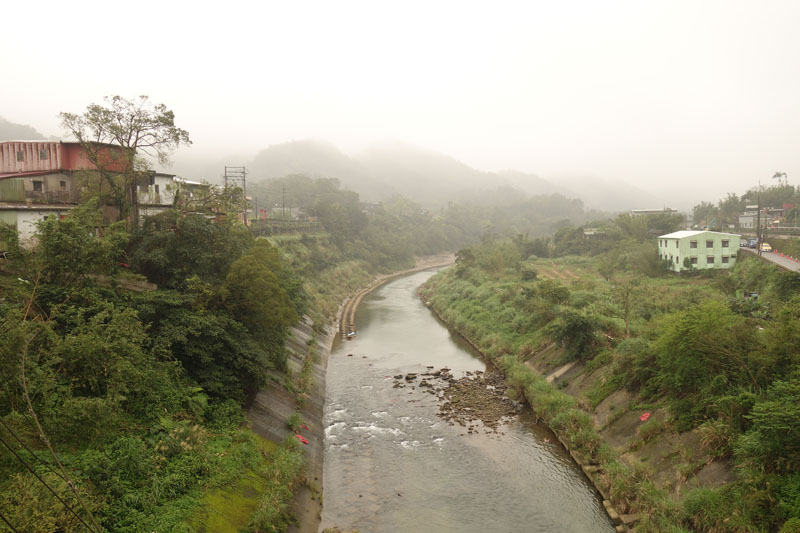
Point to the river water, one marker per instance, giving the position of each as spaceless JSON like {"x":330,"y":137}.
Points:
{"x":391,"y":464}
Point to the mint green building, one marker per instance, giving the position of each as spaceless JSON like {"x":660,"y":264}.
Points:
{"x":687,"y":250}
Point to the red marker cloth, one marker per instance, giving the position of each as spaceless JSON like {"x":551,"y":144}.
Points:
{"x":302,"y":439}
{"x":645,"y":416}
{"x":304,"y":426}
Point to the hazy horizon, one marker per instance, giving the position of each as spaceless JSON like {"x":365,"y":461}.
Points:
{"x":681,"y":99}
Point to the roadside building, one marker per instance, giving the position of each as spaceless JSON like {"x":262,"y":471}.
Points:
{"x":687,"y":250}
{"x":156,"y":193}
{"x":644,"y":212}
{"x":38,"y":179}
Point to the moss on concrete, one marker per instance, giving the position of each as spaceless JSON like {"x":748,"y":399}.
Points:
{"x":229,"y":508}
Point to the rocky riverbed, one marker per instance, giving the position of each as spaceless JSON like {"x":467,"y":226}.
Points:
{"x":476,"y":400}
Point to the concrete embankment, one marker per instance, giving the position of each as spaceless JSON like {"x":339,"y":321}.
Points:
{"x":621,"y":522}
{"x":675,"y":461}
{"x":272,"y":406}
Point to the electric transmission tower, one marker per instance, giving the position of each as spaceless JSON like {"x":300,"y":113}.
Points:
{"x":237,"y":177}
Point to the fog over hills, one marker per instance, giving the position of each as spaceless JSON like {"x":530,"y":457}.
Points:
{"x":389,"y":168}
{"x":430,"y":178}
{"x":10,"y":131}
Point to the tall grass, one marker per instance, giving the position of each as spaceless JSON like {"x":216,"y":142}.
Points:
{"x":282,"y":476}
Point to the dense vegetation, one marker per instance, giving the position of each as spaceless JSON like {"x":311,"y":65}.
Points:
{"x":134,"y":397}
{"x":137,"y":394}
{"x":699,"y":345}
{"x":388,"y":235}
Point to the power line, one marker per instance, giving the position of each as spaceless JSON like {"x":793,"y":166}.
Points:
{"x":15,"y":530}
{"x":32,"y":471}
{"x":31,"y":451}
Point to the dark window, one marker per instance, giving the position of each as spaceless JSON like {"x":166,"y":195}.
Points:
{"x":694,"y":260}
{"x":725,"y":258}
{"x":709,"y":244}
{"x":710,"y":260}
{"x":42,"y":154}
{"x":156,"y":189}
{"x":692,"y":244}
{"x":37,"y":186}
{"x":20,"y":156}
{"x":724,"y":245}
{"x":63,"y":184}
{"x":676,"y":243}
{"x":676,"y":259}
{"x":114,"y":155}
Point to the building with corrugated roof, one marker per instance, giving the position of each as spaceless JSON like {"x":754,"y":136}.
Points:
{"x":693,"y":250}
{"x":39,"y":179}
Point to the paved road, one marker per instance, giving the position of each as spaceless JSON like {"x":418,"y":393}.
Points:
{"x":776,"y":258}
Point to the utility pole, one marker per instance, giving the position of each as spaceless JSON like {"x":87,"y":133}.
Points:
{"x":237,"y":177}
{"x":758,"y":222}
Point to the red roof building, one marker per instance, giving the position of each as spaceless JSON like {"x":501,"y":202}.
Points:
{"x":30,"y":158}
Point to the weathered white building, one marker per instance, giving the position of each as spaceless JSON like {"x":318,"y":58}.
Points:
{"x":692,"y":250}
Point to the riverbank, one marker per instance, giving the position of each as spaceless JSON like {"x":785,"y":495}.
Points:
{"x":586,"y":464}
{"x":308,"y":347}
{"x":347,"y":316}
{"x":397,"y":458}
{"x":602,"y":382}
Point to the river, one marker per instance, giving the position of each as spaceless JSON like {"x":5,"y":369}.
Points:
{"x":391,"y":464}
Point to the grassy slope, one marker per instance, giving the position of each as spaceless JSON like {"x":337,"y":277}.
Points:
{"x":643,"y":466}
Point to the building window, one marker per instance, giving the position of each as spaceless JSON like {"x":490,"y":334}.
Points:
{"x":676,"y":243}
{"x":42,"y":154}
{"x":63,"y":184}
{"x":725,"y":259}
{"x":693,"y":260}
{"x":710,"y":260}
{"x":156,"y":189}
{"x":20,"y":156}
{"x":37,"y":186}
{"x":724,"y":244}
{"x":676,"y":259}
{"x":709,"y":244}
{"x":692,"y":244}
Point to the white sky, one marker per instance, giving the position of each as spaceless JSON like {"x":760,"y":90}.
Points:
{"x":674,"y":94}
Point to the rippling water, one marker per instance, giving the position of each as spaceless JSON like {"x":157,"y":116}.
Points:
{"x":391,"y":464}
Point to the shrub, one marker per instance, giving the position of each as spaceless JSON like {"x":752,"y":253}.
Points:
{"x":651,"y":429}
{"x":575,"y":331}
{"x":791,"y":526}
{"x":273,"y":511}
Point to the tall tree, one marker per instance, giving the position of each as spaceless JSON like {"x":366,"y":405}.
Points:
{"x":140,"y":128}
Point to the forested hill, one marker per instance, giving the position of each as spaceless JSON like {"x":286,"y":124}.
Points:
{"x":10,"y":131}
{"x":429,"y":178}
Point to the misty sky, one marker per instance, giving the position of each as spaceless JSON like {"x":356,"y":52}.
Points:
{"x":670,"y":94}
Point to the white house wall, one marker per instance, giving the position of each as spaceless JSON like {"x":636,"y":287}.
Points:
{"x":27,"y":220}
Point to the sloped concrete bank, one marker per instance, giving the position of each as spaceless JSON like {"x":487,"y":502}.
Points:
{"x":676,"y":461}
{"x":621,"y":522}
{"x":271,"y":408}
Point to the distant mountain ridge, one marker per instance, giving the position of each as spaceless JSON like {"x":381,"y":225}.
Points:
{"x":11,"y":131}
{"x":428,"y":177}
